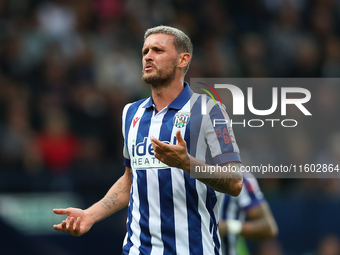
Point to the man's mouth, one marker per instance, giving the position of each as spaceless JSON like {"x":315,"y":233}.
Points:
{"x":148,"y":68}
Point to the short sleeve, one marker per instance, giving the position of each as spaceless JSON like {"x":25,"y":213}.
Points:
{"x":219,"y":135}
{"x":251,"y":194}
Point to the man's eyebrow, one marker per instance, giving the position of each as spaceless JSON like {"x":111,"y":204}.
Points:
{"x":152,"y":47}
{"x":157,"y":47}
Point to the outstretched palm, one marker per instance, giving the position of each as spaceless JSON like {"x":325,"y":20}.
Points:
{"x":77,"y":222}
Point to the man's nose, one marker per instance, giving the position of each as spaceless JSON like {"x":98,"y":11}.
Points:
{"x":148,"y":56}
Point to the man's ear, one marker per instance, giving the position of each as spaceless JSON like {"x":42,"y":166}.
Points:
{"x":183,"y":59}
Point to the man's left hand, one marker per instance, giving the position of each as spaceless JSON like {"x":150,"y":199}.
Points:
{"x":172,"y":155}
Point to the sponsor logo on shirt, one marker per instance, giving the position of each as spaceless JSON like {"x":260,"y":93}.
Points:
{"x":143,"y":155}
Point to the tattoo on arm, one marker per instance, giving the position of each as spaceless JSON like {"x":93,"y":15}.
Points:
{"x":109,"y":201}
{"x":222,"y":181}
{"x":123,"y":189}
{"x":186,"y":159}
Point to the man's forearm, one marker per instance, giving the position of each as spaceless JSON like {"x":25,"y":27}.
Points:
{"x":229,"y":182}
{"x":115,"y":199}
{"x":261,"y":224}
{"x":258,"y":230}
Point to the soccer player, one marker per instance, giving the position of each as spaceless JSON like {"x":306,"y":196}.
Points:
{"x":169,"y":212}
{"x":247,"y":215}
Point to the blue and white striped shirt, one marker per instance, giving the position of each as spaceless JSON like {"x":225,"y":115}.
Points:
{"x":170,"y":212}
{"x":236,"y":208}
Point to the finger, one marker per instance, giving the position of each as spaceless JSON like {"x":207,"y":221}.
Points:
{"x":70,"y":225}
{"x":157,"y":156}
{"x":157,"y":142}
{"x":179,"y":137}
{"x":155,"y":147}
{"x":77,"y":229}
{"x":63,"y":226}
{"x":57,"y":227}
{"x":60,"y":211}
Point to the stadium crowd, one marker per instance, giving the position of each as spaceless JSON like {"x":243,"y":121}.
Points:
{"x":68,"y":67}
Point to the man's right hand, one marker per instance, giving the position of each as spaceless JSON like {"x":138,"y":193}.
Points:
{"x":77,"y":222}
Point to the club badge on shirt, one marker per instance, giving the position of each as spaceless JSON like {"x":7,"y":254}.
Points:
{"x":181,"y":119}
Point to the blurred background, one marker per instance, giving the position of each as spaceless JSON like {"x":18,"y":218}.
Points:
{"x":68,"y":67}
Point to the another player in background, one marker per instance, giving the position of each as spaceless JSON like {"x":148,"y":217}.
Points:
{"x":169,"y":211}
{"x":247,"y":215}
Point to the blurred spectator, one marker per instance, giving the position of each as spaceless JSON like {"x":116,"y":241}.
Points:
{"x":215,"y":51}
{"x":283,"y":38}
{"x":16,"y":132}
{"x":253,"y":56}
{"x":150,"y":13}
{"x":307,"y":59}
{"x":120,"y":68}
{"x":109,"y":9}
{"x":10,"y":56}
{"x":58,"y":22}
{"x":32,"y":45}
{"x":82,"y":70}
{"x":57,"y":144}
{"x":322,"y":19}
{"x":331,"y":64}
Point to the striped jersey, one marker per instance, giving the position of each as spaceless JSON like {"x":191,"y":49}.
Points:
{"x":169,"y":212}
{"x":236,"y":208}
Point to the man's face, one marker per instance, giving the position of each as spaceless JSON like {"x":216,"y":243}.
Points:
{"x":159,"y":59}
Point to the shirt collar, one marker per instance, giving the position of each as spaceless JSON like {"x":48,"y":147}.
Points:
{"x":179,"y":101}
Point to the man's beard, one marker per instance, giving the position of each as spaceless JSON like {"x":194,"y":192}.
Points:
{"x":163,"y":77}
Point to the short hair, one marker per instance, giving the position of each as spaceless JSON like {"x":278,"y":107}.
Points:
{"x":181,"y":41}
